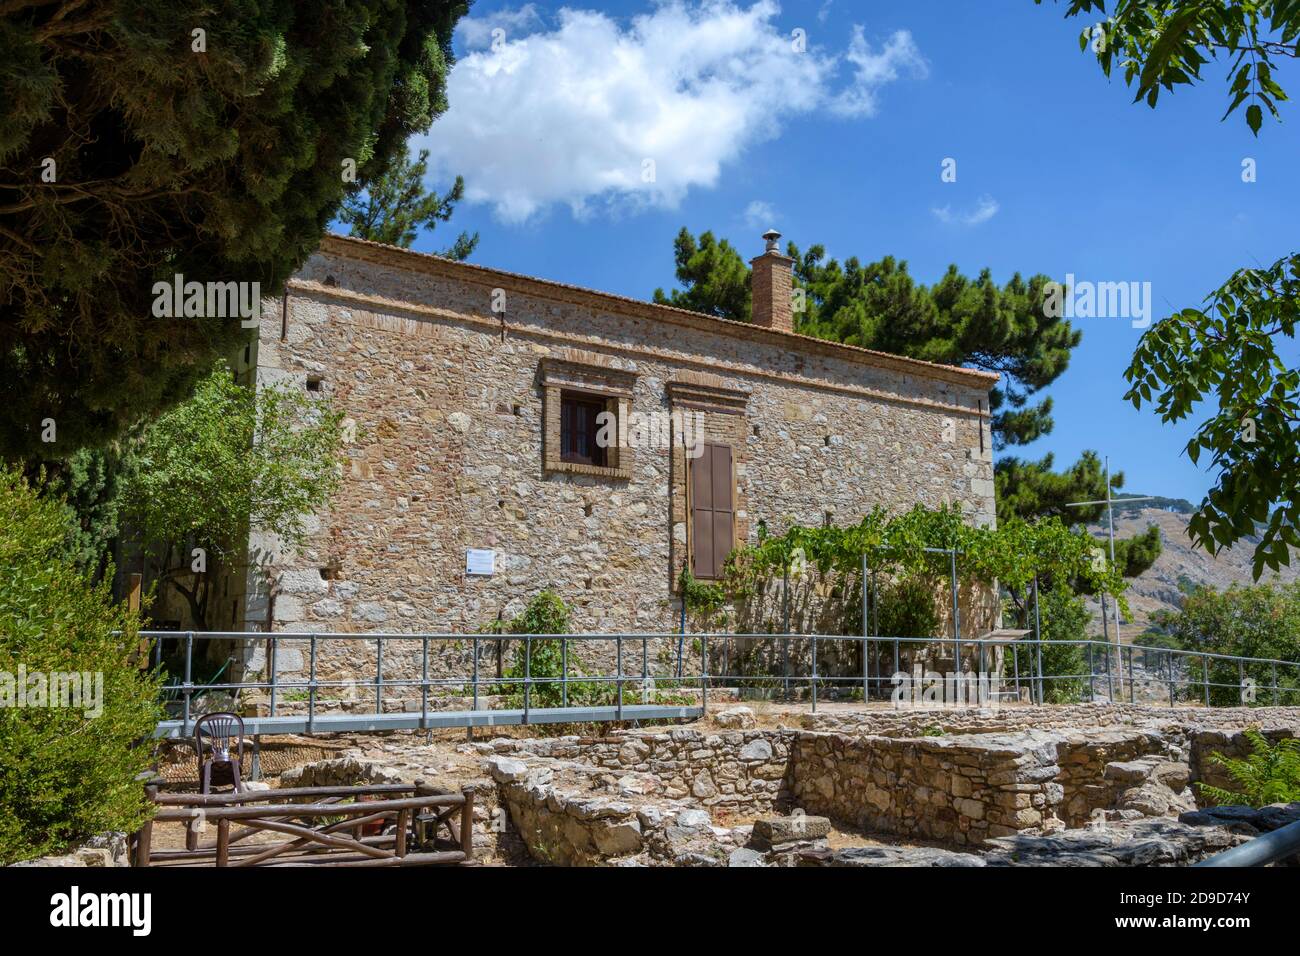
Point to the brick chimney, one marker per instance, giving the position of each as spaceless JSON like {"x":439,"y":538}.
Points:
{"x":771,"y":284}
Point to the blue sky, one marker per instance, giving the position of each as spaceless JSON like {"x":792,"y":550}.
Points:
{"x":842,"y":143}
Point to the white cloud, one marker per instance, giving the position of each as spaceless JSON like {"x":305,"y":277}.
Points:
{"x":476,"y":33}
{"x":599,"y":114}
{"x":760,"y":215}
{"x":984,"y":210}
{"x":873,"y":70}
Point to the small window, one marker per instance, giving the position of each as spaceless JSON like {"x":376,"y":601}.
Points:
{"x":580,"y":425}
{"x":313,"y":383}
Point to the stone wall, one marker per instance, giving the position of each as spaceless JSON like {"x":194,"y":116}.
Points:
{"x":904,"y":723}
{"x":735,"y":771}
{"x":448,"y":399}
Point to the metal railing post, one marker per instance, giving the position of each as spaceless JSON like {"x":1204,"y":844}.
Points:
{"x":814,"y":673}
{"x":1241,"y":682}
{"x":956,"y":617}
{"x":1275,"y":688}
{"x":1038,"y":642}
{"x":311,"y":686}
{"x":704,"y":675}
{"x":1132,"y":691}
{"x":866,"y":679}
{"x":475,"y":688}
{"x":379,"y":675}
{"x":564,"y":671}
{"x":528,"y":675}
{"x":618,"y":675}
{"x":1173,"y":688}
{"x":275,"y":676}
{"x":424,"y":682}
{"x":645,"y":670}
{"x":1205,"y":677}
{"x":189,"y":656}
{"x":1092,"y":675}
{"x":1110,"y":675}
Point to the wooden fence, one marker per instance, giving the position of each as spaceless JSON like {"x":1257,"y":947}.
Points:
{"x":401,"y":824}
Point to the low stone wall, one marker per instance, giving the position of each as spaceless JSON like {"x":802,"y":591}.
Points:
{"x":965,"y":788}
{"x":735,"y":771}
{"x":911,"y":723}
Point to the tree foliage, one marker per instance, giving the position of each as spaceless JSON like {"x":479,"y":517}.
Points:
{"x":230,"y":458}
{"x":133,"y":149}
{"x":1232,"y":352}
{"x":395,"y":207}
{"x":64,"y":775}
{"x":1233,"y":355}
{"x":1261,"y":621}
{"x":1163,"y":44}
{"x":957,"y":321}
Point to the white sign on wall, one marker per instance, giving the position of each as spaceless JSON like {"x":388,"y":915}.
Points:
{"x":481,"y":561}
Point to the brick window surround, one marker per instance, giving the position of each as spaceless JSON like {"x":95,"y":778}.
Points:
{"x":580,"y":375}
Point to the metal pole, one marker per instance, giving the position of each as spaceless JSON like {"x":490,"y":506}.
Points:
{"x":1169,"y":657}
{"x":1275,"y":685}
{"x":1110,"y":520}
{"x":1038,"y":641}
{"x":956,"y":616}
{"x":189,"y":654}
{"x":311,"y":688}
{"x":275,"y":677}
{"x":564,"y":671}
{"x":785,"y":631}
{"x":1132,"y":692}
{"x":1205,"y":675}
{"x":704,"y":671}
{"x":1110,"y":676}
{"x":1092,"y":679}
{"x":379,"y":675}
{"x":814,"y":673}
{"x":645,"y":670}
{"x":475,"y":691}
{"x":1241,"y":681}
{"x":424,"y":683}
{"x":618,"y":677}
{"x":866,"y":629}
{"x":528,"y":675}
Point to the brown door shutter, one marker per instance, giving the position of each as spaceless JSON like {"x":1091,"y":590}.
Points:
{"x":712,"y":511}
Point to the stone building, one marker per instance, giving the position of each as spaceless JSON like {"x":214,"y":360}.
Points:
{"x":476,"y":478}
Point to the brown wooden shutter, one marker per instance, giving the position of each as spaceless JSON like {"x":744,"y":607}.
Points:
{"x":712,"y":512}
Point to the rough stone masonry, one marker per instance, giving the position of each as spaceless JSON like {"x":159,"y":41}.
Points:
{"x":454,"y":377}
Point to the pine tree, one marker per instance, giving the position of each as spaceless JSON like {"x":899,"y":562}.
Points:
{"x":145,"y":139}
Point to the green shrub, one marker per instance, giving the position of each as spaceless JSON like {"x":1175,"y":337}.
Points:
{"x":64,"y":776}
{"x":1271,"y":774}
{"x":907,"y":608}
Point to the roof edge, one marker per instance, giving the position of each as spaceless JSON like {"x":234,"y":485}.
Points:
{"x":381,"y":253}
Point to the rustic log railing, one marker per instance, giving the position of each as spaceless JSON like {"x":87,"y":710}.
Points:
{"x":426,"y":826}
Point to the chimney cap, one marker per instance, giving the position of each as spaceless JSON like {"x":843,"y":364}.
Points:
{"x":771,"y":236}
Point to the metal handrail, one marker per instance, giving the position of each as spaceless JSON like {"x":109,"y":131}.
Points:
{"x":1036,"y":678}
{"x":1267,"y":848}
